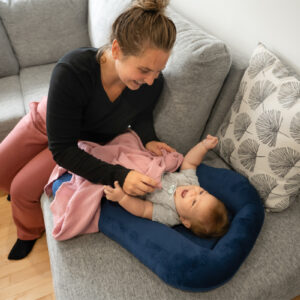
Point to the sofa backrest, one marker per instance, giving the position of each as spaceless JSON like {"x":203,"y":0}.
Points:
{"x":8,"y":62}
{"x":226,"y":96}
{"x":42,"y":31}
{"x":194,"y":75}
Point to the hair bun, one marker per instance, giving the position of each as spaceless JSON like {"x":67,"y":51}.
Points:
{"x":154,"y":5}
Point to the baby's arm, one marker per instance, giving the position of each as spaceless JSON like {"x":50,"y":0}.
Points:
{"x":136,"y":206}
{"x":195,"y":156}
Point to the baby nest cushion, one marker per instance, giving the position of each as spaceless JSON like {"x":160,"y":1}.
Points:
{"x":177,"y":256}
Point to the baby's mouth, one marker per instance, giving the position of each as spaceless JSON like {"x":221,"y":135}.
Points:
{"x":183,"y":193}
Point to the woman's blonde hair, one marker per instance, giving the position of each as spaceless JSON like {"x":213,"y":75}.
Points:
{"x":216,"y":225}
{"x":141,"y":26}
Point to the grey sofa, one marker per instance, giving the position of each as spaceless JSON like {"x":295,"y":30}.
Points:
{"x":33,"y":36}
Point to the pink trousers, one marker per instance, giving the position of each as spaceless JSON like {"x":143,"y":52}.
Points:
{"x":25,"y":166}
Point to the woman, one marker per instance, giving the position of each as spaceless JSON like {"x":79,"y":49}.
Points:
{"x":94,"y":95}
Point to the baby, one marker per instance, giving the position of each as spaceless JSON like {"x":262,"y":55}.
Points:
{"x":181,"y":199}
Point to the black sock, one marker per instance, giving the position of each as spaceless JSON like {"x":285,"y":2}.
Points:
{"x":21,"y":249}
{"x":8,"y":197}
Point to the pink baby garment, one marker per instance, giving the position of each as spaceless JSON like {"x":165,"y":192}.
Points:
{"x":76,"y":206}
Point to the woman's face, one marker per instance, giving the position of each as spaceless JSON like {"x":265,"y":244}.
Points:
{"x":134,"y":71}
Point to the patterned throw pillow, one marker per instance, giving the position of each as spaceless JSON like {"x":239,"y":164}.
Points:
{"x":260,"y":136}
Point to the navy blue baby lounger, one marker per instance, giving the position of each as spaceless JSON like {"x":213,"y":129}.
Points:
{"x":177,"y":256}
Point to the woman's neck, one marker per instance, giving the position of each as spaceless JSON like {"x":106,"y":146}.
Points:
{"x":109,"y":75}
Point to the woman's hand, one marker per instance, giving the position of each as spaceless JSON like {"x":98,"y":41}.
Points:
{"x":155,"y":147}
{"x":138,"y":184}
{"x":114,"y":194}
{"x":210,"y":142}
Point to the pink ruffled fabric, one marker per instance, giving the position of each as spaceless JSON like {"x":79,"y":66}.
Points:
{"x":76,"y":206}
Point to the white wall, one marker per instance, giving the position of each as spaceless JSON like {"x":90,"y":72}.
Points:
{"x":244,"y":23}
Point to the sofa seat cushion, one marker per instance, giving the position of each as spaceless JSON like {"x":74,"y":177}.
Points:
{"x":11,"y":103}
{"x":35,"y":83}
{"x":208,"y":263}
{"x":89,"y":266}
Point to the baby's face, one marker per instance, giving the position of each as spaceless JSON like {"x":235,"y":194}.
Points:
{"x":193,"y":202}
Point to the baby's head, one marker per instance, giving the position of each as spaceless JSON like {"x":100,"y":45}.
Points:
{"x":200,"y":211}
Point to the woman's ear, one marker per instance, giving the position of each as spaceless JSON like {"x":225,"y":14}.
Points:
{"x":115,"y":49}
{"x":185,"y":222}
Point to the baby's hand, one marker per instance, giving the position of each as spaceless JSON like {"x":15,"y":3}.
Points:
{"x":114,"y":194}
{"x":210,"y":142}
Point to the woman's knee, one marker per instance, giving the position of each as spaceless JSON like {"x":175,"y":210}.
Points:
{"x":22,"y":190}
{"x":29,"y":182}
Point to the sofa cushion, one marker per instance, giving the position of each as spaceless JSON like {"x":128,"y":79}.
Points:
{"x":11,"y":103}
{"x":260,"y":135}
{"x":194,"y":75}
{"x":35,"y":83}
{"x":41,"y":31}
{"x":8,"y":62}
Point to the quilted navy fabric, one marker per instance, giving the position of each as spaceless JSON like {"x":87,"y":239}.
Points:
{"x":176,"y":255}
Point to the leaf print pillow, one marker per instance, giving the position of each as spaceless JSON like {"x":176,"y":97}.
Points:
{"x":260,"y":136}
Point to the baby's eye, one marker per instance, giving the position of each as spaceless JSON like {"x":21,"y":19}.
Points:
{"x":201,"y":193}
{"x":194,"y":202}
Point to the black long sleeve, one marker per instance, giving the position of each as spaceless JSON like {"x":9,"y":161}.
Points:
{"x":79,"y":109}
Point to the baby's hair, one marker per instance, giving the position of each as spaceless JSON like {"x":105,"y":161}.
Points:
{"x":216,"y":225}
{"x":144,"y":24}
